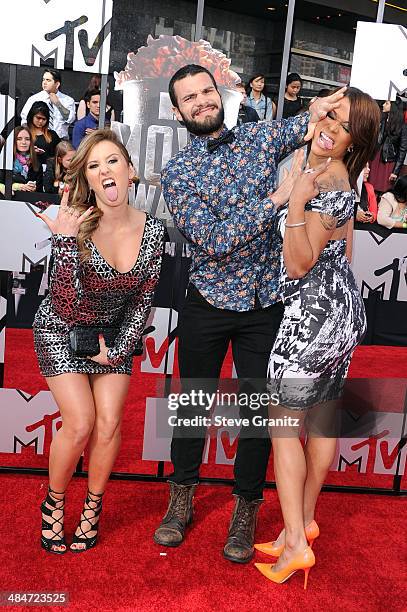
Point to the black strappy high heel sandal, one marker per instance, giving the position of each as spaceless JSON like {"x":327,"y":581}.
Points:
{"x":49,"y":506}
{"x":91,"y":510}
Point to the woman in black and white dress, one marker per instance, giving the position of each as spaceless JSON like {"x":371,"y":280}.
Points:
{"x":324,"y":320}
{"x":107,"y":258}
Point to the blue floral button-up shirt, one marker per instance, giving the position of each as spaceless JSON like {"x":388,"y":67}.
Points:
{"x":221,"y":202}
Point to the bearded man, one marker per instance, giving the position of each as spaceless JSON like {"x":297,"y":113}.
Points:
{"x":221,"y":192}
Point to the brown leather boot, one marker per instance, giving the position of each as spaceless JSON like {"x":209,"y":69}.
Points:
{"x":179,"y":514}
{"x":239,"y":546}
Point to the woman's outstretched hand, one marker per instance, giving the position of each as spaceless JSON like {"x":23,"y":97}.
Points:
{"x":68,"y":220}
{"x":319,"y":109}
{"x":306,"y":186}
{"x":283,"y":192}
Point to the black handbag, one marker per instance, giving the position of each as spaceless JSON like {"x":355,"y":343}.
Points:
{"x":84,"y":339}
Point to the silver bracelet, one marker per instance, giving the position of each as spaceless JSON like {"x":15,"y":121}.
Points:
{"x":296,"y":224}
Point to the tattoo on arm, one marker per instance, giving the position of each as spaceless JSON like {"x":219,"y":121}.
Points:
{"x":64,"y":111}
{"x":328,"y":222}
{"x":330,"y":182}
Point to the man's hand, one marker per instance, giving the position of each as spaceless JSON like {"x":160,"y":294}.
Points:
{"x":54,"y":98}
{"x":283,"y":192}
{"x":392,"y":177}
{"x":320,"y":107}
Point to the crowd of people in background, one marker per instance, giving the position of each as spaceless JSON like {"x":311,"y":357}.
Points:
{"x":52,"y":129}
{"x":383,"y":196}
{"x":383,"y":192}
{"x":50,"y":132}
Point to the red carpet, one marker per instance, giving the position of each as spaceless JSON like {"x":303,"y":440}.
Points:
{"x":22,"y":372}
{"x":359,"y":554}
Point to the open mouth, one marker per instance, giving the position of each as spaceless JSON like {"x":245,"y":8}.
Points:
{"x":110,"y":189}
{"x":325,"y":142}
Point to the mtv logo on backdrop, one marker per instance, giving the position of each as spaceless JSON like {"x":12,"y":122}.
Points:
{"x":25,"y":239}
{"x":351,"y":452}
{"x":382,"y":450}
{"x":380,"y":60}
{"x":158,"y":435}
{"x":27,"y":420}
{"x":381,"y":266}
{"x":160,"y":344}
{"x":73,"y":34}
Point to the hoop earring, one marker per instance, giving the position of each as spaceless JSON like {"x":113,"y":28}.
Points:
{"x":350,"y":149}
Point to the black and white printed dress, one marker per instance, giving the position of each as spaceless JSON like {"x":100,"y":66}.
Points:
{"x":95,"y":293}
{"x":324,"y":318}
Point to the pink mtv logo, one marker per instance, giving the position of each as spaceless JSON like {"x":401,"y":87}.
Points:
{"x":27,"y":420}
{"x":378,"y":454}
{"x":160,"y":344}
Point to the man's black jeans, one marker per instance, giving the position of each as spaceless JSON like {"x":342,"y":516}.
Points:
{"x":204,"y":336}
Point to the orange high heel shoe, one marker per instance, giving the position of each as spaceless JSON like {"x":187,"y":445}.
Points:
{"x":269,"y":548}
{"x":303,"y":561}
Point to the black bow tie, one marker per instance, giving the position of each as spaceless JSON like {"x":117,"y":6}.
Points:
{"x":214,"y":143}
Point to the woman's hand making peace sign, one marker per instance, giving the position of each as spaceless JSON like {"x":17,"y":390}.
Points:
{"x":68,"y":220}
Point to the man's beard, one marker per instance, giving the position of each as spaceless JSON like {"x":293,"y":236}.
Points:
{"x":207,"y":127}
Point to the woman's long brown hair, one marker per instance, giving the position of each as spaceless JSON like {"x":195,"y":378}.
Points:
{"x":80,"y":196}
{"x":364,"y":123}
{"x":33,"y":156}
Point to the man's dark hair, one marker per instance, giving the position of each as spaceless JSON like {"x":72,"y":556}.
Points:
{"x":56,"y":75}
{"x":90,"y":93}
{"x":189,"y":70}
